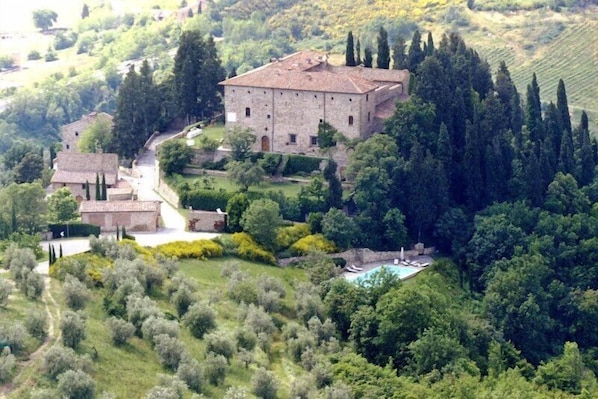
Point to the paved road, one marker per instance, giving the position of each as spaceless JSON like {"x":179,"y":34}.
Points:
{"x":174,"y":223}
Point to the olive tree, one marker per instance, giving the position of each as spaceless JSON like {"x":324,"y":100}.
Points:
{"x":261,"y":220}
{"x":120,"y":330}
{"x":72,"y":325}
{"x":200,"y":319}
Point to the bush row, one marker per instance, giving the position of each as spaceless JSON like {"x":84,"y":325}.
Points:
{"x":74,"y":230}
{"x":206,"y":200}
{"x":300,"y":164}
{"x":198,"y":249}
{"x":247,"y":248}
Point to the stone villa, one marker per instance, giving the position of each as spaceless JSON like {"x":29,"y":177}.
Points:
{"x":135,"y":216}
{"x":285,"y":100}
{"x":72,"y":132}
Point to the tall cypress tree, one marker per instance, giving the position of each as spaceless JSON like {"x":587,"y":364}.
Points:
{"x":357,"y":52}
{"x":383,"y":57}
{"x":128,"y":120}
{"x":98,"y":192}
{"x":430,"y":47}
{"x":334,"y":197}
{"x":367,"y":59}
{"x":13,"y":218}
{"x":399,"y":58}
{"x":533,"y":115}
{"x":350,"y":50}
{"x":562,"y":106}
{"x":472,"y":167}
{"x":197,"y":72}
{"x":566,"y":155}
{"x":87,"y":196}
{"x":150,"y":107}
{"x":415,"y":55}
{"x":104,"y":192}
{"x":536,"y":92}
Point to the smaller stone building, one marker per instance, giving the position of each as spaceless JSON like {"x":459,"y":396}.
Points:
{"x":72,"y":132}
{"x":135,"y":216}
{"x":73,"y":169}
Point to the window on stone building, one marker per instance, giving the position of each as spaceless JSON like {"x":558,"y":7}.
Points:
{"x":268,"y":116}
{"x":369,"y":116}
{"x":68,"y":146}
{"x":83,"y":185}
{"x":77,"y":134}
{"x":350,"y":120}
{"x":292,"y":139}
{"x":367,"y":97}
{"x":247,"y":112}
{"x":313,"y":140}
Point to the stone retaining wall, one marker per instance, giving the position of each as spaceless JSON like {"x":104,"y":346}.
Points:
{"x":360,"y":256}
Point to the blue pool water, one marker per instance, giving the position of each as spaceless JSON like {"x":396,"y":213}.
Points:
{"x":401,"y":271}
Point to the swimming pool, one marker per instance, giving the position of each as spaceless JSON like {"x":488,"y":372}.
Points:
{"x":402,"y":271}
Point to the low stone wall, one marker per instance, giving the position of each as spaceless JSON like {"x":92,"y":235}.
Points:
{"x":206,"y":221}
{"x":360,"y":256}
{"x":200,"y":156}
{"x":168,"y":193}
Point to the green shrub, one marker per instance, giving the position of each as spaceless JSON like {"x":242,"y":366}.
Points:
{"x":198,"y":249}
{"x":270,"y":162}
{"x":288,"y":235}
{"x":34,"y":55}
{"x":218,"y":165}
{"x":74,"y":230}
{"x":310,"y":243}
{"x":248,"y":249}
{"x":207,"y":200}
{"x":300,"y":163}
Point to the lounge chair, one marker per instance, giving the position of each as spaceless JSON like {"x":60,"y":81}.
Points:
{"x":350,"y":269}
{"x":357,"y":268}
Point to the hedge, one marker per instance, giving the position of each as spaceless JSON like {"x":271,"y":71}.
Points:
{"x":300,"y":163}
{"x":73,"y":230}
{"x":206,"y":200}
{"x":248,"y":249}
{"x":198,"y":249}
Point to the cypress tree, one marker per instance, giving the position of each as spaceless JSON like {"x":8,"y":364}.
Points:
{"x":472,"y":167}
{"x":430,"y":47}
{"x":50,"y":255}
{"x":85,"y":11}
{"x":60,"y":250}
{"x":233,"y":73}
{"x":562,"y":106}
{"x":117,"y":233}
{"x":357,"y":52}
{"x":87,"y":196}
{"x":52,"y":156}
{"x":123,"y":234}
{"x":13,"y":218}
{"x":415,"y":55}
{"x":536,"y":91}
{"x":367,"y":59}
{"x":334,"y":197}
{"x":129,"y":118}
{"x":566,"y":157}
{"x":399,"y":58}
{"x":533,"y":179}
{"x":533,"y":116}
{"x":349,"y":52}
{"x":199,"y":8}
{"x":383,"y":57}
{"x":98,"y":193}
{"x":104,"y":192}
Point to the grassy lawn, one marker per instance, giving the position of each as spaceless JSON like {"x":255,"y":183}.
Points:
{"x":214,"y":132}
{"x":289,"y":188}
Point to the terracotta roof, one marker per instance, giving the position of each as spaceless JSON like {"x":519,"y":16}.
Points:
{"x":74,"y":167}
{"x":373,"y":74}
{"x":119,"y":206}
{"x":67,"y":176}
{"x":90,"y":118}
{"x":306,"y":70}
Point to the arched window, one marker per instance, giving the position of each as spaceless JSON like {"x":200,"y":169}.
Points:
{"x":350,"y":120}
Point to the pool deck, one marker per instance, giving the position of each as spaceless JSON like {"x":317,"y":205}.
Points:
{"x":416,"y":262}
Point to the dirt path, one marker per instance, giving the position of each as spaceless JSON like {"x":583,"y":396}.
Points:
{"x":53,"y":337}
